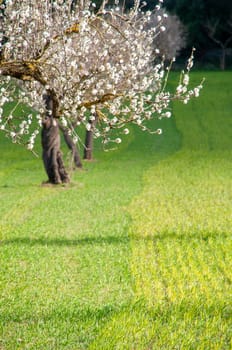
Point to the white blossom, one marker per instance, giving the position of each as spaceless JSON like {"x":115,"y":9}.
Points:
{"x":88,"y":126}
{"x":186,"y":79}
{"x":196,"y":92}
{"x":99,"y":66}
{"x":168,"y":114}
{"x":126,"y":131}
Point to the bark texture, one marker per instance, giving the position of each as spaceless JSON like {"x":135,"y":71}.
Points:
{"x":52,"y":155}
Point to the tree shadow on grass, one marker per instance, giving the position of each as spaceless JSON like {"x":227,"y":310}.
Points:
{"x":113,"y":240}
{"x":198,"y":235}
{"x":44,"y":241}
{"x":71,"y":311}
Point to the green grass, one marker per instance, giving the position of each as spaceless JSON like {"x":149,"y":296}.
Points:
{"x":136,"y":253}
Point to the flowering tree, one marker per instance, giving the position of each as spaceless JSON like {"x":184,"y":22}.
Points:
{"x":72,"y":64}
{"x":169,"y":42}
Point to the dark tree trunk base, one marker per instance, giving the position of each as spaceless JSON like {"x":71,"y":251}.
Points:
{"x":88,"y":154}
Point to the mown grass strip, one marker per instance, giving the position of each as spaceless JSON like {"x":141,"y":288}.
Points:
{"x":181,"y":238}
{"x":184,"y":217}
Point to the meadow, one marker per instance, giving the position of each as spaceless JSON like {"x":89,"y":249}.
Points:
{"x":136,"y":253}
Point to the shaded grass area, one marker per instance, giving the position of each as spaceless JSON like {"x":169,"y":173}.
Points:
{"x":136,"y":253}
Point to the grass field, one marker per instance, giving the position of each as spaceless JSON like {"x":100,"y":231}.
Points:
{"x":136,"y":253}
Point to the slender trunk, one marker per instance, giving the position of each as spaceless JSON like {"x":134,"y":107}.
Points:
{"x":223,"y":59}
{"x":88,"y":150}
{"x":71,"y":145}
{"x":52,"y":156}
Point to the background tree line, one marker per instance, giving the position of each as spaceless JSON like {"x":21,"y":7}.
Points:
{"x":208,"y":26}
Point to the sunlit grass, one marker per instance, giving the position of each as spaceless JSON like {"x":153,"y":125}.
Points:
{"x":181,"y":231}
{"x":136,"y":253}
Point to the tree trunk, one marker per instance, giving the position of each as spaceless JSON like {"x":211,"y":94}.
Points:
{"x":223,"y":59}
{"x":52,"y":156}
{"x":88,"y":150}
{"x":71,"y":145}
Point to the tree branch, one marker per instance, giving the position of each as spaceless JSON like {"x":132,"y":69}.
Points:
{"x":23,"y":70}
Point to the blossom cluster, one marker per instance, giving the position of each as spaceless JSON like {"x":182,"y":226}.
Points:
{"x":97,"y":63}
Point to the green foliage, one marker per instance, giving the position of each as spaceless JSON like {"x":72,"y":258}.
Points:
{"x":136,"y":252}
